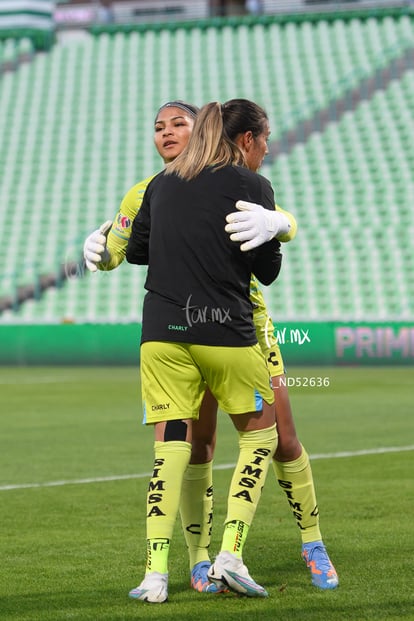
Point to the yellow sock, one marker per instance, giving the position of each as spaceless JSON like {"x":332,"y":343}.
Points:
{"x":234,"y":536}
{"x":157,"y":555}
{"x":196,"y":509}
{"x":163,"y":498}
{"x":255,"y":455}
{"x":295,"y":478}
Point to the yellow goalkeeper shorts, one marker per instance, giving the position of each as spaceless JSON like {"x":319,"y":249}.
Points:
{"x":174,"y":377}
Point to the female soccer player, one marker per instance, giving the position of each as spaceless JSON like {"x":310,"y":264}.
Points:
{"x":197,"y":330}
{"x":173,"y":126}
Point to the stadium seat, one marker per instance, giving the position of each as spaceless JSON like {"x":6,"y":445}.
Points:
{"x":86,"y":108}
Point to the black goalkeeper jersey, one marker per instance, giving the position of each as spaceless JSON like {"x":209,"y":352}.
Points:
{"x":198,"y":279}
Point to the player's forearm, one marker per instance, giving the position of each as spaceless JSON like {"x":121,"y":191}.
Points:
{"x":137,"y":253}
{"x":137,"y":248}
{"x":267,"y":262}
{"x":115,"y":253}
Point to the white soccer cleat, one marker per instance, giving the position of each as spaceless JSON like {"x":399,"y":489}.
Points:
{"x":229,"y":570}
{"x":153,"y":589}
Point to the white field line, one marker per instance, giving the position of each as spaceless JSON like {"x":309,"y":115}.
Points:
{"x":123,"y":477}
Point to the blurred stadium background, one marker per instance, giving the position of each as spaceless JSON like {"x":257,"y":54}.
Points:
{"x":79,"y":86}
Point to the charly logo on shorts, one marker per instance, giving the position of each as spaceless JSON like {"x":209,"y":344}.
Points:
{"x":160,"y":406}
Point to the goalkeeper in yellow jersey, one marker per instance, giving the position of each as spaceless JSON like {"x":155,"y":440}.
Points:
{"x":105,"y":249}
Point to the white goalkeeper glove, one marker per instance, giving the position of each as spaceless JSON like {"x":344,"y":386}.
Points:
{"x":254,"y":225}
{"x":94,"y":248}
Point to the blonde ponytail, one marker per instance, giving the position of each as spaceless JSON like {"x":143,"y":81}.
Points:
{"x":209,"y":145}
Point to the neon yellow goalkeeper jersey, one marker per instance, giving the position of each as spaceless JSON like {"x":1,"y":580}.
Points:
{"x":121,"y":230}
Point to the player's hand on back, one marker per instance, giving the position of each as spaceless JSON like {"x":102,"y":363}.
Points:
{"x":254,"y":225}
{"x":94,"y":248}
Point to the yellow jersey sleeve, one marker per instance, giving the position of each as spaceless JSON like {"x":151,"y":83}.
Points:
{"x":287,"y":237}
{"x":261,"y":318}
{"x":121,"y":227}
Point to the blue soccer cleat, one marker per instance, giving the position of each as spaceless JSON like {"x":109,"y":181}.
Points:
{"x":323,"y":572}
{"x":200,"y":581}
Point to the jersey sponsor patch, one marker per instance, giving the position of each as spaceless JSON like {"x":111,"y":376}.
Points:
{"x":123,"y":221}
{"x":122,"y":224}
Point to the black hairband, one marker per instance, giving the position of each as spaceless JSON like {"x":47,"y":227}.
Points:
{"x":178,"y":104}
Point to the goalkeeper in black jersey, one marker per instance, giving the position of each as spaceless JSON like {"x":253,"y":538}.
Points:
{"x":198,"y":331}
{"x":173,"y":126}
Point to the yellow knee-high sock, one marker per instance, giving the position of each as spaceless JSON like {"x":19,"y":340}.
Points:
{"x":163,"y":498}
{"x":255,"y":455}
{"x":295,"y":478}
{"x":196,"y":509}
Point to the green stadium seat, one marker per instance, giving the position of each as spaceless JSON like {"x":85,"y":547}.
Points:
{"x":86,"y":110}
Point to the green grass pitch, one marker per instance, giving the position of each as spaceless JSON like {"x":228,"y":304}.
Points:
{"x":72,"y":522}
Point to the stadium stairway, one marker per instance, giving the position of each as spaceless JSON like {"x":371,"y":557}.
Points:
{"x":15,"y":51}
{"x":353,"y":198}
{"x":347,"y":101}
